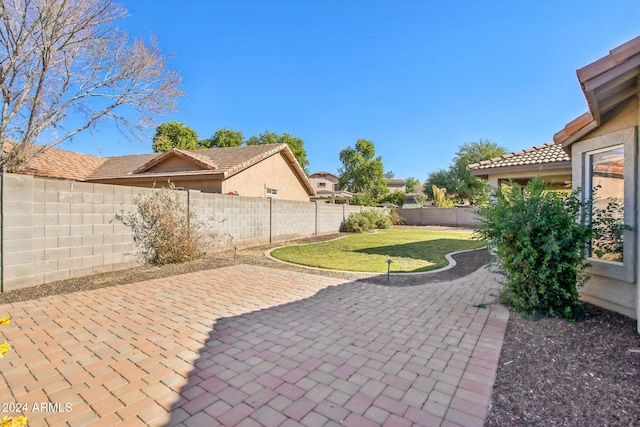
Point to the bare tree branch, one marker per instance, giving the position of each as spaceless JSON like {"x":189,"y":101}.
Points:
{"x":64,"y":67}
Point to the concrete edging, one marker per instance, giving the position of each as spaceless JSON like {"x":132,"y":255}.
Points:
{"x":448,"y":257}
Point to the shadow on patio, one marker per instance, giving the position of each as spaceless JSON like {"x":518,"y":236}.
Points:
{"x":355,"y":354}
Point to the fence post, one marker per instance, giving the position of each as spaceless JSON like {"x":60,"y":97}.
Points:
{"x":270,"y":219}
{"x":316,"y":228}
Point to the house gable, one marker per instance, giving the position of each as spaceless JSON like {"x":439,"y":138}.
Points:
{"x":176,"y":161}
{"x":273,"y":176}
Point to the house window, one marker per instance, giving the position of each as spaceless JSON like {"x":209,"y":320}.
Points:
{"x":322,"y":184}
{"x":272,"y":191}
{"x":605,"y":183}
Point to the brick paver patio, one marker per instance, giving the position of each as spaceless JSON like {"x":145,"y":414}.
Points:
{"x":252,"y":346}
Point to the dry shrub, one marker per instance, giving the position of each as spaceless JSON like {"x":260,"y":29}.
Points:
{"x":164,"y":230}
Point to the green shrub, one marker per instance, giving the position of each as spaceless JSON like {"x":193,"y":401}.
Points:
{"x":164,"y":230}
{"x":540,"y":242}
{"x":357,"y":223}
{"x":360,"y":222}
{"x":379,"y":220}
{"x":395,"y":217}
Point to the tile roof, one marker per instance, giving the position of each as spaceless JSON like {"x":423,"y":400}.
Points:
{"x":219,"y":161}
{"x":323,"y":174}
{"x":396,"y":182}
{"x":56,"y":163}
{"x":545,"y":154}
{"x":605,"y":83}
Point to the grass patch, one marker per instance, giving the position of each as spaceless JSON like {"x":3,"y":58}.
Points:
{"x":411,"y":251}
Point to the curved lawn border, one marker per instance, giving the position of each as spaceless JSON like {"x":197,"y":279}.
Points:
{"x":448,"y":257}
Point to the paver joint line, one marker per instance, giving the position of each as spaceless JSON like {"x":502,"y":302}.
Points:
{"x":248,"y":345}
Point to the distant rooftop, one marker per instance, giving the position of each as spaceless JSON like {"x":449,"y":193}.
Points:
{"x":549,"y":154}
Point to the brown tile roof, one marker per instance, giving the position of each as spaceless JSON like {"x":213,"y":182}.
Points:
{"x":323,"y":174}
{"x":539,"y":155}
{"x":225,"y":161}
{"x":606,"y":83}
{"x":220,"y":162}
{"x":56,"y":163}
{"x":396,"y":182}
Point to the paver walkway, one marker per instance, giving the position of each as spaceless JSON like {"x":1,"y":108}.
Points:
{"x":252,"y":346}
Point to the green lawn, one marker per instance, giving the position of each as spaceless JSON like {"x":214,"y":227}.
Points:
{"x":410,"y":251}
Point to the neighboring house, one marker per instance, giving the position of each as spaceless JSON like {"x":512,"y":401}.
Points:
{"x":395,"y":184}
{"x":603,"y":144}
{"x":547,"y":160}
{"x":410,"y":202}
{"x":327,"y":189}
{"x":255,"y":171}
{"x":61,"y":164}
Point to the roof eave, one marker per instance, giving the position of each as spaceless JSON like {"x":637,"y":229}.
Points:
{"x":553,"y":166}
{"x":610,"y":75}
{"x":160,"y":176}
{"x":302,"y":176}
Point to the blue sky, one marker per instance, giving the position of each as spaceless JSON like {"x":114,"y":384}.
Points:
{"x":418,"y":78}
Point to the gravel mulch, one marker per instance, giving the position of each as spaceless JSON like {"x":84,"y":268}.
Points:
{"x":551,"y":372}
{"x":554,"y":373}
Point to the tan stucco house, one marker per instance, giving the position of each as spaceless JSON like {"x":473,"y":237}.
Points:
{"x":327,"y":188}
{"x":269,"y":170}
{"x":396,"y":184}
{"x":603,"y":145}
{"x":548,"y":161}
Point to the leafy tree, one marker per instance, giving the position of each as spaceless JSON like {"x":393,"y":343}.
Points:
{"x":460,"y":184}
{"x":264,"y":138}
{"x":65,"y":67}
{"x":174,"y":135}
{"x":296,"y":145}
{"x":389,"y":175}
{"x":421,"y":199}
{"x":397,"y":197}
{"x":223,"y":138}
{"x":411,"y":184}
{"x":441,"y":178}
{"x":361,"y":172}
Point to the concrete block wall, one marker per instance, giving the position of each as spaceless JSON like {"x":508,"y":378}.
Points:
{"x":243,"y":220}
{"x":292,"y":219}
{"x":56,"y":229}
{"x":330,"y":217}
{"x":452,"y":217}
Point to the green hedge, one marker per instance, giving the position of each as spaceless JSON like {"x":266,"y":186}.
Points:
{"x":361,"y":222}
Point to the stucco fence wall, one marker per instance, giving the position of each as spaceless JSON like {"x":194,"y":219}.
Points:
{"x":57,"y":229}
{"x":452,"y":217}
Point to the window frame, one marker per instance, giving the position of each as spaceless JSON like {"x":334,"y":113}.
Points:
{"x":580,"y":152}
{"x":588,"y":186}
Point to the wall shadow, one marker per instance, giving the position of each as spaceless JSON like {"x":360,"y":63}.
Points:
{"x":275,"y":364}
{"x":310,"y":360}
{"x":424,"y":251}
